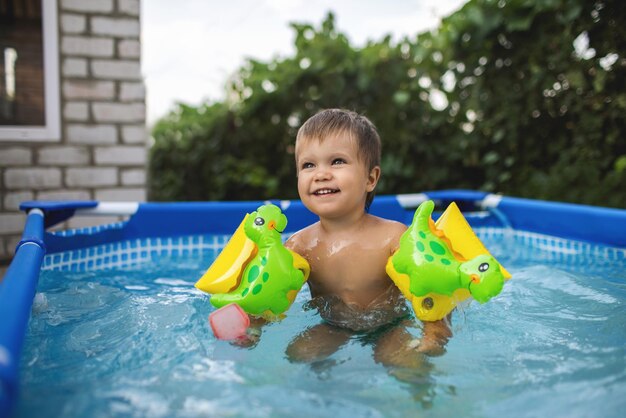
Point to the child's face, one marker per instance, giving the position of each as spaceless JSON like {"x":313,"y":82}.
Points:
{"x":332,"y":180}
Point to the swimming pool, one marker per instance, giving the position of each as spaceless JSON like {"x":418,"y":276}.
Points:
{"x":117,"y":328}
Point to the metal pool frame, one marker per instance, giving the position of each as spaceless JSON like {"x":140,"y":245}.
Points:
{"x":597,"y":225}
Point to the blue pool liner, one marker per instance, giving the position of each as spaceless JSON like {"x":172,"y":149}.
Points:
{"x":597,"y":225}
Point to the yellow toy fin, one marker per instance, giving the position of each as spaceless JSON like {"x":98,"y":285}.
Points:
{"x":400,"y":279}
{"x":225,"y":272}
{"x":301,"y":264}
{"x":460,"y":234}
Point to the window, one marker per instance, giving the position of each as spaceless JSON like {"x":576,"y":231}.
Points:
{"x":29,"y":71}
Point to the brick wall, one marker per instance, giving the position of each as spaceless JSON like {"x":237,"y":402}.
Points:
{"x":102,"y":153}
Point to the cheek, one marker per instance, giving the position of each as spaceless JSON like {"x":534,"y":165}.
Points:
{"x":302,"y":181}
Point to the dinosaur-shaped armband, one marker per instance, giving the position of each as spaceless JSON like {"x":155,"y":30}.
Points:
{"x":440,"y":264}
{"x":255,"y":270}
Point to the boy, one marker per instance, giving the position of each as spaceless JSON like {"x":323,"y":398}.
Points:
{"x":338,"y":166}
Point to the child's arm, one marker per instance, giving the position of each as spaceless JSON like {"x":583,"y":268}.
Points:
{"x":253,"y":333}
{"x":293,"y":242}
{"x":435,"y":336}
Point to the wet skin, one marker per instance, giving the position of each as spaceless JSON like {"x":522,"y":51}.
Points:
{"x":347,"y":251}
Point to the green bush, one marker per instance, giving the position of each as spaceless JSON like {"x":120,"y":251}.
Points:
{"x":496,"y":99}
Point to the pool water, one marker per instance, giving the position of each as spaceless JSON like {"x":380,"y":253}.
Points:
{"x":135,"y":342}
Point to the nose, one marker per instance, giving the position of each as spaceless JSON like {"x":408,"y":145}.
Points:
{"x":322,"y":174}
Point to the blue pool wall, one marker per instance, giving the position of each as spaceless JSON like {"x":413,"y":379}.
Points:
{"x":591,"y":224}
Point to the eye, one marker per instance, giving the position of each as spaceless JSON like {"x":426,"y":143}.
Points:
{"x":307,"y":165}
{"x":259,"y":221}
{"x":483,"y":267}
{"x":338,"y":161}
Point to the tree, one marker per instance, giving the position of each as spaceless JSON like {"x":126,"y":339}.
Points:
{"x":520,"y":97}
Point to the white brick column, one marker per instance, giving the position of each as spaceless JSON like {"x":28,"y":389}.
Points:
{"x":102,"y":153}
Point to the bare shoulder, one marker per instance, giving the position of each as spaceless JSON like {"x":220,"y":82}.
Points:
{"x":393,"y":227}
{"x":301,"y":239}
{"x":389,"y":231}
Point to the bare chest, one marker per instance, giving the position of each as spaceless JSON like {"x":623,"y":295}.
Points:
{"x":357,"y":274}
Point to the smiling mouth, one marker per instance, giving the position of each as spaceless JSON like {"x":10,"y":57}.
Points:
{"x":325,"y":192}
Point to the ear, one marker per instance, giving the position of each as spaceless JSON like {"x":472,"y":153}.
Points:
{"x":372,"y":178}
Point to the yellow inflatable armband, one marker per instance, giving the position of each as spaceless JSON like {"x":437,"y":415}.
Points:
{"x":255,"y":270}
{"x":441,"y":264}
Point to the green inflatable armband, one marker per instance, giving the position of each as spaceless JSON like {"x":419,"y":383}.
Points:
{"x":255,"y":270}
{"x":438,"y":265}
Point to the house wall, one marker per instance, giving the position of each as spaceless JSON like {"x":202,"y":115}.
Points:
{"x":102,"y":153}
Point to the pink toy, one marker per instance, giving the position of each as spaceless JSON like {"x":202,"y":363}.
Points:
{"x":229,"y":322}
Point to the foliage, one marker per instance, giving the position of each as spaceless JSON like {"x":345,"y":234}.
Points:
{"x":497,"y":99}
